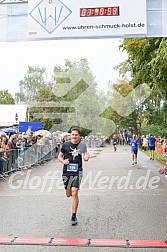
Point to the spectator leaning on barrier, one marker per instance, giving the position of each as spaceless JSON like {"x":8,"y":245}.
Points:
{"x":13,"y":153}
{"x":54,"y":146}
{"x":20,"y":144}
{"x":3,"y":155}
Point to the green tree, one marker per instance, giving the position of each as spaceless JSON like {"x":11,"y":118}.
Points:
{"x":164,"y":112}
{"x":124,"y":88}
{"x":44,"y":108}
{"x":141,"y":52}
{"x":159,"y":67}
{"x":6,"y":97}
{"x":74,"y":95}
{"x":33,"y":81}
{"x":147,"y":64}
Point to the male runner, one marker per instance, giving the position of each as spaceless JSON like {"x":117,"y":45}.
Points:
{"x":134,"y":149}
{"x":115,"y":140}
{"x":70,"y":156}
{"x":151,"y":144}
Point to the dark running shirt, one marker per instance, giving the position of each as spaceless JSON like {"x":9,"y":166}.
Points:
{"x":151,"y":141}
{"x":73,"y":152}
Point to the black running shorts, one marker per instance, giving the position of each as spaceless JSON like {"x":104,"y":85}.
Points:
{"x":135,"y":152}
{"x":152,"y":148}
{"x":72,"y":180}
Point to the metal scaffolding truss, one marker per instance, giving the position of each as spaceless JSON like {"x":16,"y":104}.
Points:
{"x":12,"y":1}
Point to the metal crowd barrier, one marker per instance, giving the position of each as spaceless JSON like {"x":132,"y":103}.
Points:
{"x":27,"y":157}
{"x":36,"y":155}
{"x":39,"y":153}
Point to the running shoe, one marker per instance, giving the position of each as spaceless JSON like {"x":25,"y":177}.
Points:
{"x":133,"y":163}
{"x":136,"y":162}
{"x":74,"y":220}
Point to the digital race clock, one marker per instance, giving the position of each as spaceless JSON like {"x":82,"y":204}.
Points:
{"x":99,"y":11}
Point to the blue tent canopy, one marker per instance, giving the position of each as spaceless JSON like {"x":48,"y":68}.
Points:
{"x":9,"y":130}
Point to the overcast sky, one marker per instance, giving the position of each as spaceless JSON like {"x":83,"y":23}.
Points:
{"x":102,"y":55}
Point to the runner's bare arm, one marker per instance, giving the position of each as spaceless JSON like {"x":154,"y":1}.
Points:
{"x":61,"y":158}
{"x":86,"y":156}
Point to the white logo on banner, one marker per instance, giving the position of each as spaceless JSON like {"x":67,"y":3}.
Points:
{"x":50,"y":14}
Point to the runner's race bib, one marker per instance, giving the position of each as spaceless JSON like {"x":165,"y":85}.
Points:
{"x":72,"y":167}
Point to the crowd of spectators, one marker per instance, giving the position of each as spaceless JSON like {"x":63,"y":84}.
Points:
{"x":23,"y":150}
{"x":124,"y":138}
{"x":161,"y":143}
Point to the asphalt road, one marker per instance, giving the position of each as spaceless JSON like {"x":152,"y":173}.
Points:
{"x":117,"y":201}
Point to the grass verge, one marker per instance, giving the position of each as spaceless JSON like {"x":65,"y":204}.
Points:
{"x":157,"y":156}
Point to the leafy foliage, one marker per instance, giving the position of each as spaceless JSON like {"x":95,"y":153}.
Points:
{"x":31,"y":84}
{"x":146,"y":63}
{"x":6,"y":97}
{"x":155,"y":129}
{"x":70,"y":101}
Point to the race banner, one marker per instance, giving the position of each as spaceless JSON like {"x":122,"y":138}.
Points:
{"x":85,"y":18}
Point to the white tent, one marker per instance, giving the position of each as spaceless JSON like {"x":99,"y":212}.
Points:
{"x":8,"y":114}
